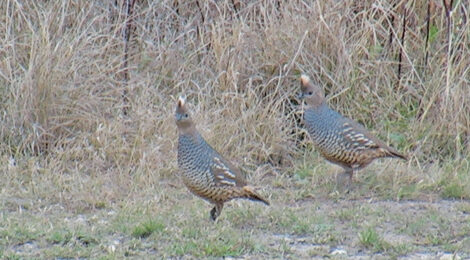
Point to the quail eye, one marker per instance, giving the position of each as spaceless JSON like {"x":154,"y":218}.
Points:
{"x":310,"y":93}
{"x":185,"y":115}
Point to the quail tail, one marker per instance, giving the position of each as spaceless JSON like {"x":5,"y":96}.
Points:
{"x":252,"y":195}
{"x":392,"y":153}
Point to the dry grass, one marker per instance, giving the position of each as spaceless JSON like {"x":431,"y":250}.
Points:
{"x":66,"y":143}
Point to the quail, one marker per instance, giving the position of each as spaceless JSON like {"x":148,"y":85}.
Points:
{"x":338,"y":139}
{"x":204,"y":171}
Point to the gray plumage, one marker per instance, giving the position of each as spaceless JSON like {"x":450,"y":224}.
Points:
{"x":204,"y":171}
{"x":339,"y":139}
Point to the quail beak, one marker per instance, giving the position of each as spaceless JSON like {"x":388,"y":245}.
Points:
{"x":301,"y":96}
{"x":177,"y":117}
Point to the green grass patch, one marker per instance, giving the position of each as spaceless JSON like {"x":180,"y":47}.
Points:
{"x":221,"y":248}
{"x":303,"y":173}
{"x":220,"y":242}
{"x":455,"y":182}
{"x":147,"y":228}
{"x":407,"y":191}
{"x":183,"y":248}
{"x":68,"y":252}
{"x":453,"y":191}
{"x":370,"y":239}
{"x":400,"y":249}
{"x":348,"y":214}
{"x":10,"y":256}
{"x":19,"y":234}
{"x":87,"y":239}
{"x":60,"y":237}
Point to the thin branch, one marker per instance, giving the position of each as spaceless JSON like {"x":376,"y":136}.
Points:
{"x":392,"y":21}
{"x":200,"y":10}
{"x":448,"y":9}
{"x":201,"y":29}
{"x":461,"y":27}
{"x":402,"y":40}
{"x":236,"y":7}
{"x":176,"y":6}
{"x":428,"y":22}
{"x":463,"y":11}
{"x":129,"y":7}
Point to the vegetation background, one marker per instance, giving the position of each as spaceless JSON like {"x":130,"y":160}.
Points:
{"x":88,"y":142}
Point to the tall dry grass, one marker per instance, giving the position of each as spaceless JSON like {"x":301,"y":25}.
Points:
{"x":61,"y":79}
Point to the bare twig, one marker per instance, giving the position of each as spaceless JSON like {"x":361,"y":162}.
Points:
{"x":201,"y":29}
{"x":448,"y":10}
{"x":176,"y":6}
{"x":392,"y":20}
{"x":278,"y":7}
{"x":428,"y":22}
{"x":464,"y":4}
{"x":402,"y":40}
{"x":288,"y":67}
{"x":463,"y":10}
{"x":202,"y":13}
{"x":236,"y":7}
{"x":128,"y":5}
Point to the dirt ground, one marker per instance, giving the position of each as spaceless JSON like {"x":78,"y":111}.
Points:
{"x":312,"y":228}
{"x":392,"y":219}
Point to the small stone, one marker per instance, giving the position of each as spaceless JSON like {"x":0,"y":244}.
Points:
{"x":339,"y":251}
{"x":111,"y":248}
{"x":449,"y":257}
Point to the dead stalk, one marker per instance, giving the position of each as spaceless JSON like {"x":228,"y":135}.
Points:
{"x":402,"y":40}
{"x":428,"y":22}
{"x":448,"y":10}
{"x":128,"y":6}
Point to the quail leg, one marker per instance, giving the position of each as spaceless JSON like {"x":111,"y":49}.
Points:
{"x":216,"y":210}
{"x":343,"y":180}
